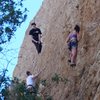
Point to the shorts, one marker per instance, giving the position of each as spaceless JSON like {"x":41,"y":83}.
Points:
{"x":72,"y":44}
{"x":31,"y":89}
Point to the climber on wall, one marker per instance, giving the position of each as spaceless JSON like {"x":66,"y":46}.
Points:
{"x":36,"y":35}
{"x":72,"y":41}
{"x":31,"y":81}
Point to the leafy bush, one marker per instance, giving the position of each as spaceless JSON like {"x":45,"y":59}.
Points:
{"x":17,"y":91}
{"x":57,"y":78}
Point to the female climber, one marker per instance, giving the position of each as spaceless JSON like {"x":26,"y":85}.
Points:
{"x":72,"y":41}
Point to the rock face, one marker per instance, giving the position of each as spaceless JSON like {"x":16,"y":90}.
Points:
{"x":55,"y":19}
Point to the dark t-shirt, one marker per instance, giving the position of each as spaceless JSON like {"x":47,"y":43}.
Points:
{"x":35,"y":33}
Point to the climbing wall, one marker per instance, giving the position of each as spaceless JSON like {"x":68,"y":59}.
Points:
{"x":56,"y":19}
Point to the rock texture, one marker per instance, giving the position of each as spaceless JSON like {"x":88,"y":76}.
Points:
{"x":56,"y":18}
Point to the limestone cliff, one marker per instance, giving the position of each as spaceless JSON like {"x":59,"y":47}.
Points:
{"x":56,"y":18}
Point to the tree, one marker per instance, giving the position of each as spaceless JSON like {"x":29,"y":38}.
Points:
{"x":11,"y":16}
{"x":16,"y":90}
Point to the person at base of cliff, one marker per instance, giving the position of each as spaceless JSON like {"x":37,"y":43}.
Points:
{"x":72,"y":41}
{"x":36,"y":35}
{"x":31,"y":81}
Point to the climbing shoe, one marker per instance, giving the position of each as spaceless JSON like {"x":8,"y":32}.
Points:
{"x":72,"y":65}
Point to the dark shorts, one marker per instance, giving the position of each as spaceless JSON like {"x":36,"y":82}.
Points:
{"x":72,"y":44}
{"x":31,"y":89}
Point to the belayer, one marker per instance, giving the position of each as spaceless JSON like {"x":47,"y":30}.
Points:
{"x":31,"y":81}
{"x":72,"y":41}
{"x":36,"y":35}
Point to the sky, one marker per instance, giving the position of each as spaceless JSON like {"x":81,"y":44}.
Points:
{"x":9,"y":55}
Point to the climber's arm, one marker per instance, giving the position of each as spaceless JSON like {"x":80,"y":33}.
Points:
{"x":36,"y":75}
{"x":34,"y":40}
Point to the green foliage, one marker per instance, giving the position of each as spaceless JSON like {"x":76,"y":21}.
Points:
{"x":49,"y":98}
{"x":18,"y":91}
{"x":4,"y":80}
{"x":38,"y":98}
{"x":11,"y":16}
{"x":5,"y":92}
{"x":43,"y":82}
{"x":4,"y":83}
{"x":57,"y":78}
